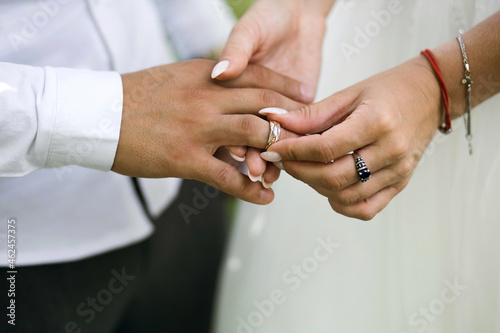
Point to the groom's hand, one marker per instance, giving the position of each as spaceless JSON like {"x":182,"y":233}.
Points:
{"x":175,"y":118}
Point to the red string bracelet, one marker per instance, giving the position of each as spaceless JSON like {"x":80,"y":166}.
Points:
{"x":446,"y":126}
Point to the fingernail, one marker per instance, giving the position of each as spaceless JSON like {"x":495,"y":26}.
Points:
{"x":254,"y":178}
{"x":273,"y":111}
{"x":279,"y":165}
{"x":266,"y":184}
{"x":237,"y":158}
{"x":266,"y":195}
{"x":307,"y":93}
{"x":271,"y":156}
{"x":220,"y":68}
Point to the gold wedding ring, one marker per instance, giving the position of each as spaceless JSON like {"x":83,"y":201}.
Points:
{"x":274,"y":134}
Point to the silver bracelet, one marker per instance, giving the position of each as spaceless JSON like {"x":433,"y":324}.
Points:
{"x":467,"y":81}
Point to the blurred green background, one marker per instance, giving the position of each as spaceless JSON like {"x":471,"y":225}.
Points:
{"x":239,"y":6}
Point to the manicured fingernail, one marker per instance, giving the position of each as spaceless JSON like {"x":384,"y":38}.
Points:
{"x":307,"y":93}
{"x":266,"y":184}
{"x":253,"y":178}
{"x":220,"y":68}
{"x":279,"y":165}
{"x":271,"y":156}
{"x":273,"y":111}
{"x":237,"y":158}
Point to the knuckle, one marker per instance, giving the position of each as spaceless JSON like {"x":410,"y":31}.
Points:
{"x":196,"y":93}
{"x":223,"y":177}
{"x":349,"y":198}
{"x":367,"y":213}
{"x":405,"y":169}
{"x":335,"y":182}
{"x":307,"y":112}
{"x":323,"y":152}
{"x":385,"y":122}
{"x":247,"y":125}
{"x":399,"y":148}
{"x":268,"y":97}
{"x":291,"y":153}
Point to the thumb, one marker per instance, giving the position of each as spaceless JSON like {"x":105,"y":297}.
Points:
{"x":239,"y":49}
{"x":314,"y":118}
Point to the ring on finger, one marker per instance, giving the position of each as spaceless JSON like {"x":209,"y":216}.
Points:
{"x":274,"y":133}
{"x":364,"y":173}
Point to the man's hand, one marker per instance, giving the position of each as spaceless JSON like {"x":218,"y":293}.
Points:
{"x":175,"y":118}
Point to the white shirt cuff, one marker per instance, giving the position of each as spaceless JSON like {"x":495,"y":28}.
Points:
{"x":85,"y":124}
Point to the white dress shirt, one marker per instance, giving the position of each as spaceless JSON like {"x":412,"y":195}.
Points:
{"x":60,"y":115}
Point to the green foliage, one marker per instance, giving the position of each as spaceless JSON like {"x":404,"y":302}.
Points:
{"x":239,"y":6}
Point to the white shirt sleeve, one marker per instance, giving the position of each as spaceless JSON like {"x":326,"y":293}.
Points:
{"x":196,"y":27}
{"x":53,"y":117}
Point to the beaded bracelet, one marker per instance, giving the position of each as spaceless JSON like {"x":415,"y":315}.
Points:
{"x":467,"y":81}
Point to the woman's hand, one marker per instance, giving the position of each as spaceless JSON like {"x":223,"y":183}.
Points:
{"x":175,"y":118}
{"x":283,"y":35}
{"x":388,"y":120}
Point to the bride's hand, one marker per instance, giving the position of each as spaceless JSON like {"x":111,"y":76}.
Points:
{"x":283,"y":35}
{"x":388,"y":120}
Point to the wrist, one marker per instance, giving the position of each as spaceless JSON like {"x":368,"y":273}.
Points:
{"x":427,"y":84}
{"x":449,"y":58}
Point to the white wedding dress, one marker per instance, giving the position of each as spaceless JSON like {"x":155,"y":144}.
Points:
{"x":430,"y":262}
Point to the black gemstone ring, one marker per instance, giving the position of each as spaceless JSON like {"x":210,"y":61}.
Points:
{"x":363,"y":172}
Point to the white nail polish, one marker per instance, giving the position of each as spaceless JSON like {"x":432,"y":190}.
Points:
{"x":237,"y":158}
{"x":220,"y":68}
{"x":253,"y":178}
{"x":279,"y":165}
{"x":271,"y":156}
{"x":266,"y":184}
{"x":273,"y":111}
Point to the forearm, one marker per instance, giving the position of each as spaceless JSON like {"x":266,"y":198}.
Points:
{"x":482,"y":45}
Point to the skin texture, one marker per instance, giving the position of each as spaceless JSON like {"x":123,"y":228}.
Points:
{"x":285,"y":36}
{"x":394,"y":120}
{"x":175,"y":118}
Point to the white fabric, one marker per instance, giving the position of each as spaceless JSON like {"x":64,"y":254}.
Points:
{"x":437,"y":237}
{"x":55,"y":117}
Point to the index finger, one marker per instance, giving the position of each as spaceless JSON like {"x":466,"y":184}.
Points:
{"x":352,"y":134}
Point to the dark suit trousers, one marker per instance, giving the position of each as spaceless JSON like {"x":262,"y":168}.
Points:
{"x":163,"y":284}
